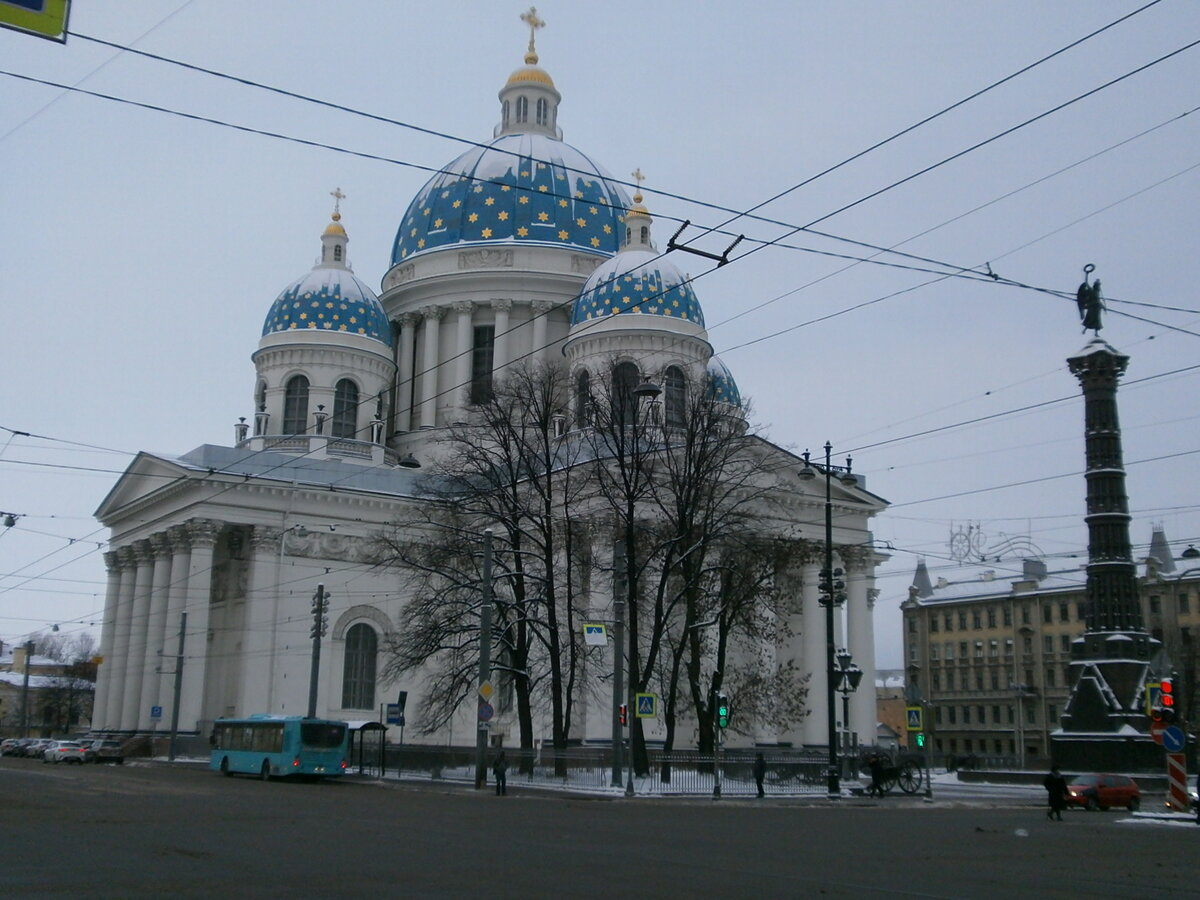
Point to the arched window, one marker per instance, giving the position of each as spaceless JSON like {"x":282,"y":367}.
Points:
{"x":522,"y":109}
{"x":337,"y":251}
{"x":295,"y":405}
{"x":345,"y":409}
{"x":628,"y":234}
{"x":543,"y":111}
{"x":645,"y":235}
{"x":676,"y":397}
{"x":583,"y":398}
{"x":626,"y":377}
{"x":504,"y":115}
{"x":358,"y":672}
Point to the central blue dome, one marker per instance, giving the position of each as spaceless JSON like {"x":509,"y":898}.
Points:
{"x":523,"y":188}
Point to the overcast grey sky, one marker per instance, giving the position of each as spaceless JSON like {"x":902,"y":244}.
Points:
{"x":142,"y":250}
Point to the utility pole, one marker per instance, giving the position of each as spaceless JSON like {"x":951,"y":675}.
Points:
{"x":485,"y":664}
{"x":25,"y":691}
{"x":618,"y":662}
{"x":319,"y":626}
{"x":178,"y":687}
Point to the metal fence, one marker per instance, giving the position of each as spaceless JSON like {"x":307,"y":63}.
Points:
{"x":589,"y":769}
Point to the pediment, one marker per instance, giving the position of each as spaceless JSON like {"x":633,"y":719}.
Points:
{"x":145,"y":477}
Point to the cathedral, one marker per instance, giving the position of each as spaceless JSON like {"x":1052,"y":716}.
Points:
{"x":522,"y":251}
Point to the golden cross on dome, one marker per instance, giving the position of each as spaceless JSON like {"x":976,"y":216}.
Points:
{"x":637,"y":176}
{"x":338,"y":197}
{"x":531,"y":19}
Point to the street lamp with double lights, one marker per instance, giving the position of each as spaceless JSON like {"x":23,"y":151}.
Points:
{"x":849,"y":675}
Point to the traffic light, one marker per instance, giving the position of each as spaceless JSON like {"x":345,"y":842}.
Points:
{"x":831,"y":588}
{"x":920,"y":739}
{"x":1166,"y":699}
{"x":722,"y":711}
{"x":623,"y":714}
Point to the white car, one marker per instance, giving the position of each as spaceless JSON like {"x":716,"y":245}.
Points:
{"x":63,"y":751}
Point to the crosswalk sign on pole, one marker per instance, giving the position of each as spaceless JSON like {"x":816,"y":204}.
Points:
{"x":914,"y":718}
{"x":647,"y":706}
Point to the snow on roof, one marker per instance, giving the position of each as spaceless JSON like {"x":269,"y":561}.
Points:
{"x":17,"y":679}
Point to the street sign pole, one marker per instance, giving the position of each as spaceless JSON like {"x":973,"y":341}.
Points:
{"x":485,"y":662}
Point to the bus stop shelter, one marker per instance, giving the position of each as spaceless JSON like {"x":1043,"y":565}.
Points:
{"x":367,"y":744}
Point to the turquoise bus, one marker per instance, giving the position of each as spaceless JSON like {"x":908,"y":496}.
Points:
{"x":278,"y":746}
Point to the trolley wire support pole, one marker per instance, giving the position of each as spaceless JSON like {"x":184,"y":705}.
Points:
{"x":485,"y":662}
{"x":178,"y":691}
{"x":618,"y":733}
{"x":25,"y":690}
{"x":320,"y":605}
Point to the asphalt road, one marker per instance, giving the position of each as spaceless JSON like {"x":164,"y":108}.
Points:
{"x":155,"y":831}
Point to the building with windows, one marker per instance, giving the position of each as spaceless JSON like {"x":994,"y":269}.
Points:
{"x":989,"y":646}
{"x":523,"y":249}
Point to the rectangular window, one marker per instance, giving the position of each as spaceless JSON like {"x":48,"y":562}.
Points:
{"x":977,"y":619}
{"x":1008,"y":615}
{"x":995,"y":682}
{"x":962,"y":620}
{"x":1080,"y":611}
{"x":937,"y":680}
{"x":933,"y":651}
{"x":952,"y":712}
{"x":1008,"y":647}
{"x":966,"y":715}
{"x":949,"y":650}
{"x":1025,"y":614}
{"x":937,"y":715}
{"x":1155,"y":605}
{"x":1012,"y":716}
{"x":968,"y":745}
{"x":949,"y":622}
{"x":1027,"y":644}
{"x":1049,"y":677}
{"x":993,"y":648}
{"x":912,"y":624}
{"x":1052,"y":713}
{"x":1064,"y":612}
{"x":962,"y":650}
{"x":979,"y":712}
{"x":1064,"y":643}
{"x":991,"y":617}
{"x":979,"y":649}
{"x":999,"y":745}
{"x":1048,"y":643}
{"x":1184,"y":602}
{"x":912,"y":653}
{"x":996,"y":717}
{"x":979,"y":681}
{"x":482,"y":356}
{"x":933,"y":624}
{"x":1030,"y":714}
{"x":1047,"y":613}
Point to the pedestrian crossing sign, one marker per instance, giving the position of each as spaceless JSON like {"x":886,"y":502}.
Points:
{"x":647,"y":706}
{"x":915,"y":718}
{"x":595,"y":635}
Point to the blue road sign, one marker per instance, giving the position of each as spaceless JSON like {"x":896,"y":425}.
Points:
{"x":156,"y":712}
{"x":1173,"y":739}
{"x":393,"y":713}
{"x":485,"y":712}
{"x":647,"y":706}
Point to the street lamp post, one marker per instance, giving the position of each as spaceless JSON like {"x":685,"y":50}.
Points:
{"x":832,"y":594}
{"x":849,"y":677}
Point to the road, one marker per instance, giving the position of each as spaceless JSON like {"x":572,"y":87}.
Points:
{"x":157,"y":831}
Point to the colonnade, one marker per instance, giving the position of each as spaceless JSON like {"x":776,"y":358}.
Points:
{"x":419,"y":393}
{"x":151,"y":583}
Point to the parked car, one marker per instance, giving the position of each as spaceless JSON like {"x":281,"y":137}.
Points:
{"x":63,"y":751}
{"x":35,"y":747}
{"x":107,"y":750}
{"x":1104,"y":791}
{"x":10,"y":746}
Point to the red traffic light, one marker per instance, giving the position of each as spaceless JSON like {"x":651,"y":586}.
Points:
{"x":1167,"y":692}
{"x":623,"y":714}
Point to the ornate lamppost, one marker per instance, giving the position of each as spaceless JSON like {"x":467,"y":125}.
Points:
{"x":849,"y":675}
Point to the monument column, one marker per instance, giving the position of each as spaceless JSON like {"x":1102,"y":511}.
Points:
{"x":500,"y":348}
{"x":404,"y":371}
{"x":135,"y":658}
{"x":202,"y":535}
{"x":860,"y":640}
{"x":261,"y":622}
{"x":813,"y":629}
{"x":430,"y":365}
{"x":120,"y":646}
{"x":156,"y":621}
{"x":541,"y":316}
{"x":112,"y":595}
{"x":181,"y":551}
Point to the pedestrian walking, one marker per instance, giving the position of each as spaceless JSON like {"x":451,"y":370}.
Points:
{"x":876,"y":765}
{"x":500,"y":771}
{"x":760,"y":773}
{"x":1056,"y":793}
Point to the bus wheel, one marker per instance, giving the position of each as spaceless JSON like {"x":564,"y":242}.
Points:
{"x":266,"y":771}
{"x":225,"y":767}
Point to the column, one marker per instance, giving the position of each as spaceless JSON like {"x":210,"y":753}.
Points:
{"x":202,"y":534}
{"x":156,"y":620}
{"x":463,"y":344}
{"x":120,"y":646}
{"x":816,"y":726}
{"x":500,"y":350}
{"x":541,"y":318}
{"x":860,"y":641}
{"x":181,"y":553}
{"x":260,"y":626}
{"x":112,"y":595}
{"x":430,"y":364}
{"x":135,"y":662}
{"x":404,"y":371}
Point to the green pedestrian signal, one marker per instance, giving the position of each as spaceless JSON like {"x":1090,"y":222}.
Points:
{"x":920,"y":739}
{"x":722,"y":711}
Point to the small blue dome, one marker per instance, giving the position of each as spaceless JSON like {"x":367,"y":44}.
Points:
{"x":329,"y":299}
{"x":639,"y":282}
{"x":526,"y":188}
{"x":721,"y":385}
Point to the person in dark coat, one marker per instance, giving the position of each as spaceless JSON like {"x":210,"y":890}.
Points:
{"x":500,"y":771}
{"x":876,"y":765}
{"x":1056,"y":793}
{"x":760,"y":773}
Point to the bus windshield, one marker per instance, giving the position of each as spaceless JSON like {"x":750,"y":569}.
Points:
{"x":322,"y":734}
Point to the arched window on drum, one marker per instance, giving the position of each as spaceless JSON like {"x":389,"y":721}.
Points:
{"x":345,"y":409}
{"x":676,"y":397}
{"x":358,"y":671}
{"x":295,"y":405}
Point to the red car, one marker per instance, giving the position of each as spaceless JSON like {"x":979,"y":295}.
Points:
{"x":1104,"y":791}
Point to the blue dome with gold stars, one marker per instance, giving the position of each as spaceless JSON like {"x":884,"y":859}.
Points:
{"x":637,"y":282}
{"x":329,"y":299}
{"x":524,"y":188}
{"x":721,"y":385}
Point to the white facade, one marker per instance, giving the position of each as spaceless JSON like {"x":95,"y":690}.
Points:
{"x":513,"y":252}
